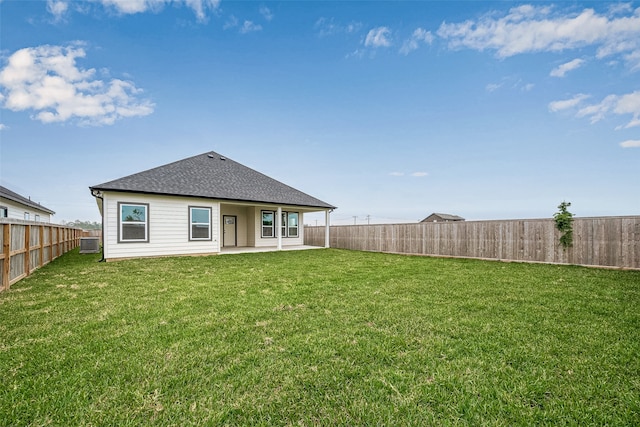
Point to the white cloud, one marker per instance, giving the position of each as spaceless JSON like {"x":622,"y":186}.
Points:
{"x":628,"y":104}
{"x":563,"y":69}
{"x":567,"y":103}
{"x":615,"y":104}
{"x":200,"y":7}
{"x":358,"y":53}
{"x":630,"y":143}
{"x":3,"y":127}
{"x":419,"y":36}
{"x":633,"y":58}
{"x":250,"y":27}
{"x":58,"y":8}
{"x":378,"y":37}
{"x":598,"y":111}
{"x":329,"y":27}
{"x":231,"y":23}
{"x":536,"y":29}
{"x":127,"y":7}
{"x":635,"y":121}
{"x":266,"y":13}
{"x":620,"y":8}
{"x":131,"y":6}
{"x":510,"y":82}
{"x":621,"y":105}
{"x":326,"y":27}
{"x":527,"y":87}
{"x":47,"y":81}
{"x":353,"y":27}
{"x":492,"y":87}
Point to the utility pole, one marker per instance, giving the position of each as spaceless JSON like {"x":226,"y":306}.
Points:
{"x":354,"y":220}
{"x":368,"y":219}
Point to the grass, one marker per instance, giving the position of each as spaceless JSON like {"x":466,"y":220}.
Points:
{"x":322,"y":337}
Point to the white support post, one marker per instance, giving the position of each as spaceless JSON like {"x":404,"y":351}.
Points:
{"x":326,"y":228}
{"x":279,"y":227}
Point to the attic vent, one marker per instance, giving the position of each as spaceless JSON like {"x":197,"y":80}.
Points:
{"x":211,"y":156}
{"x":223,"y":158}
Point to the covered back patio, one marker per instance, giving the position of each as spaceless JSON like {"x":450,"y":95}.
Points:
{"x":251,"y":227}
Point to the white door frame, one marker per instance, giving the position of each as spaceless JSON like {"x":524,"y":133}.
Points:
{"x":224,"y":230}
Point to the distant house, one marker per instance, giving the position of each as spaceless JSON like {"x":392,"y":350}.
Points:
{"x":13,"y":205}
{"x":200,"y":205}
{"x":441,"y":217}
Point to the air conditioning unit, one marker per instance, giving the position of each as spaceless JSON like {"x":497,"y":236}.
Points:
{"x":89,"y":245}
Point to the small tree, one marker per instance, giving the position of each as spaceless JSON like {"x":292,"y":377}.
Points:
{"x":564,"y":223}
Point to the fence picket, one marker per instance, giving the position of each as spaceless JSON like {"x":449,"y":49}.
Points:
{"x":599,"y":241}
{"x":28,"y":246}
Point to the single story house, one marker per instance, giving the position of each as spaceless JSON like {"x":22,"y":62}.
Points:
{"x":442,"y":217}
{"x":200,"y":205}
{"x":13,"y":205}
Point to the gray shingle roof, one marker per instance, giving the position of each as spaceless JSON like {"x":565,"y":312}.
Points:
{"x":8,"y":194}
{"x":444,"y":216}
{"x":214,"y":176}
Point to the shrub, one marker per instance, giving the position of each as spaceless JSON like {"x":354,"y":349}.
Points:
{"x":564,"y":223}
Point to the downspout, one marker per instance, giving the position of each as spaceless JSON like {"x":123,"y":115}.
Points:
{"x":98,"y":195}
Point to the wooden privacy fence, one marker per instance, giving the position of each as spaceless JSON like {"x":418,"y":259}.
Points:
{"x":601,"y":241}
{"x":28,"y":246}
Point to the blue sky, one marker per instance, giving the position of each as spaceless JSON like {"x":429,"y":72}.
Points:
{"x":388,"y":110}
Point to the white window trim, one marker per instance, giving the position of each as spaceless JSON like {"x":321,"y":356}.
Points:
{"x":272,"y":226}
{"x":284,"y":224}
{"x":297,"y":226}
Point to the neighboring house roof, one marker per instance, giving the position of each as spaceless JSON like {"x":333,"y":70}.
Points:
{"x":8,"y":194}
{"x":214,"y":176}
{"x":443,"y":217}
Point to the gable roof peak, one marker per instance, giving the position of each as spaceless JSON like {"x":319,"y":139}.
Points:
{"x":214,"y":176}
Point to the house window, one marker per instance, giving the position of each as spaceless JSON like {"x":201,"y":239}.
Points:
{"x":134,"y":222}
{"x":267,"y":223}
{"x":4,"y":212}
{"x":26,"y":216}
{"x":37,"y":218}
{"x":292,"y":224}
{"x":289,"y":224}
{"x":200,"y":221}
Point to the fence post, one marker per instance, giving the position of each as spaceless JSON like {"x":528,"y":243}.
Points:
{"x":27,"y":247}
{"x":51,"y":248}
{"x":58,"y":242}
{"x":6,"y":251}
{"x":41,"y":258}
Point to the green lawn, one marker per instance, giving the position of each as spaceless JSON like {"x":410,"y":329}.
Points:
{"x":319,"y":337}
